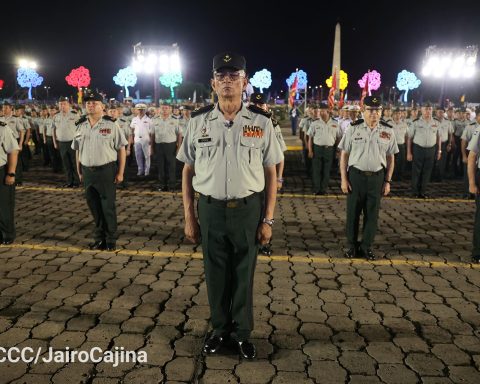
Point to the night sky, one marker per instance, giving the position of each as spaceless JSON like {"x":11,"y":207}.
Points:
{"x":387,"y":36}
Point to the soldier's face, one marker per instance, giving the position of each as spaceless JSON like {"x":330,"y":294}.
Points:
{"x":229,"y":84}
{"x":165,"y":110}
{"x":64,"y":106}
{"x":427,"y":112}
{"x":439,"y":114}
{"x":323,"y":113}
{"x":94,"y":107}
{"x":113,"y":113}
{"x":372,"y":115}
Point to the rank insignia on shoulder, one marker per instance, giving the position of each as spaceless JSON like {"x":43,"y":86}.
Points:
{"x":108,"y":118}
{"x":357,"y":122}
{"x":255,"y":109}
{"x":200,"y":111}
{"x":81,"y":120}
{"x":2,"y":124}
{"x":384,"y":135}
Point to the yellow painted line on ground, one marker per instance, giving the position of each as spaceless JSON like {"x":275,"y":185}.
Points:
{"x":280,"y":195}
{"x":294,"y":147}
{"x":281,"y":258}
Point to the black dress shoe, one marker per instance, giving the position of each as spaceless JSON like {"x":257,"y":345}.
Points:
{"x":213,"y":344}
{"x":369,"y":255}
{"x":247,"y":350}
{"x":162,"y":189}
{"x":99,"y":244}
{"x":7,"y":242}
{"x":110,"y":247}
{"x":350,"y":253}
{"x":266,"y":250}
{"x":476,"y":259}
{"x":67,"y":185}
{"x":423,"y":196}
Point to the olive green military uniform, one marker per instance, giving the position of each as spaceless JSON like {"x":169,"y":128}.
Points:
{"x":17,"y":127}
{"x":424,"y":135}
{"x":124,"y":125}
{"x":304,"y":125}
{"x":98,"y":152}
{"x":165,"y":133}
{"x":8,"y":144}
{"x":54,"y":153}
{"x":400,"y":129}
{"x":445,"y":129}
{"x":467,"y":135}
{"x":458,"y":128}
{"x":228,"y":158}
{"x":474,"y":146}
{"x":64,"y":129}
{"x":367,"y":149}
{"x":324,"y":135}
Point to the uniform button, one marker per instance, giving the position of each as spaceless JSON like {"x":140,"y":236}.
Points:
{"x":229,"y":180}
{"x":228,"y":162}
{"x":228,"y":145}
{"x":228,"y":196}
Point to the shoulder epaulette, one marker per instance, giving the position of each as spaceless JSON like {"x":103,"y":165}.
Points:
{"x":109,"y":118}
{"x":123,"y":120}
{"x":260,"y":111}
{"x":81,"y":120}
{"x":418,"y":118}
{"x":474,"y":123}
{"x":2,"y":124}
{"x":357,"y":122}
{"x":72,"y":111}
{"x":436,"y":119}
{"x":274,"y":122}
{"x":200,"y":111}
{"x":384,"y":123}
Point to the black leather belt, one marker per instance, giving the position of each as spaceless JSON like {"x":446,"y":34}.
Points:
{"x":99,"y":167}
{"x":367,"y":173}
{"x":232,"y":203}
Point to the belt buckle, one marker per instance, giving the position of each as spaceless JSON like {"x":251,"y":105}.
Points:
{"x":368,"y":173}
{"x":232,"y":204}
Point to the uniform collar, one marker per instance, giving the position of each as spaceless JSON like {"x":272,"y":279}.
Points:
{"x":217,"y":112}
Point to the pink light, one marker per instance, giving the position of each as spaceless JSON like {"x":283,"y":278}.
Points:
{"x":374,"y":81}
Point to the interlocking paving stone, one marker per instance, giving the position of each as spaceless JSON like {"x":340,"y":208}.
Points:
{"x":412,"y":316}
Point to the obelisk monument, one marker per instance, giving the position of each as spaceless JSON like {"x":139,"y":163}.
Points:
{"x":336,"y":55}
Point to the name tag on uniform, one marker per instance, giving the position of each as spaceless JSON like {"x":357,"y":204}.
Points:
{"x":105,"y":131}
{"x":252,"y":131}
{"x":205,"y":140}
{"x":384,"y":135}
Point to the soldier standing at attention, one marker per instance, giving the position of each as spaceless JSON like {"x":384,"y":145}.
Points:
{"x":166,"y":137}
{"x":141,"y":126}
{"x":323,"y":134}
{"x":400,"y":129}
{"x":466,"y":137}
{"x":18,"y":130}
{"x":8,"y":162}
{"x":99,"y":144}
{"x":423,"y":142}
{"x":230,"y":152}
{"x":366,"y":166}
{"x":63,"y":133}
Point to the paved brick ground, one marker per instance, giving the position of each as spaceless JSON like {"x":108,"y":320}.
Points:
{"x":411,"y":317}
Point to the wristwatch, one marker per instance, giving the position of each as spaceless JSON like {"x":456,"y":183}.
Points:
{"x":270,"y":222}
{"x":11,"y":174}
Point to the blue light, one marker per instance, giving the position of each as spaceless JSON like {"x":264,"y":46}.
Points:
{"x":126,"y":77}
{"x":28,"y":78}
{"x":302,"y":79}
{"x":262,"y":79}
{"x":407,"y":81}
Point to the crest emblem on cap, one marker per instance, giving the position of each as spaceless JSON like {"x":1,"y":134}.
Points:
{"x":227,"y":58}
{"x":374,"y":99}
{"x":259,"y":97}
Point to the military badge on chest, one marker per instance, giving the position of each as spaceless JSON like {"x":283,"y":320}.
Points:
{"x":384,"y":135}
{"x":252,"y":131}
{"x":105,"y":131}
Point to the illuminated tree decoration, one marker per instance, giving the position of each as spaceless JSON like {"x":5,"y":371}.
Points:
{"x":302,"y":79}
{"x":374,"y":81}
{"x":126,"y":77}
{"x":78,"y":78}
{"x":171,"y":80}
{"x":29,"y":78}
{"x":407,"y":81}
{"x":1,"y":84}
{"x":343,"y":80}
{"x":262,"y":79}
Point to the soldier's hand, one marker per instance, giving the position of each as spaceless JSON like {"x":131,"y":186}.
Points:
{"x":9,"y":180}
{"x":264,"y":233}
{"x":80,"y":177}
{"x":449,"y":147}
{"x":192,"y":231}
{"x":127,"y":152}
{"x":409,"y":157}
{"x":118,"y":178}
{"x":386,"y":189}
{"x":473,"y":189}
{"x":346,"y":187}
{"x":464,"y":159}
{"x":55,"y":145}
{"x":310,"y":154}
{"x":279,"y":185}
